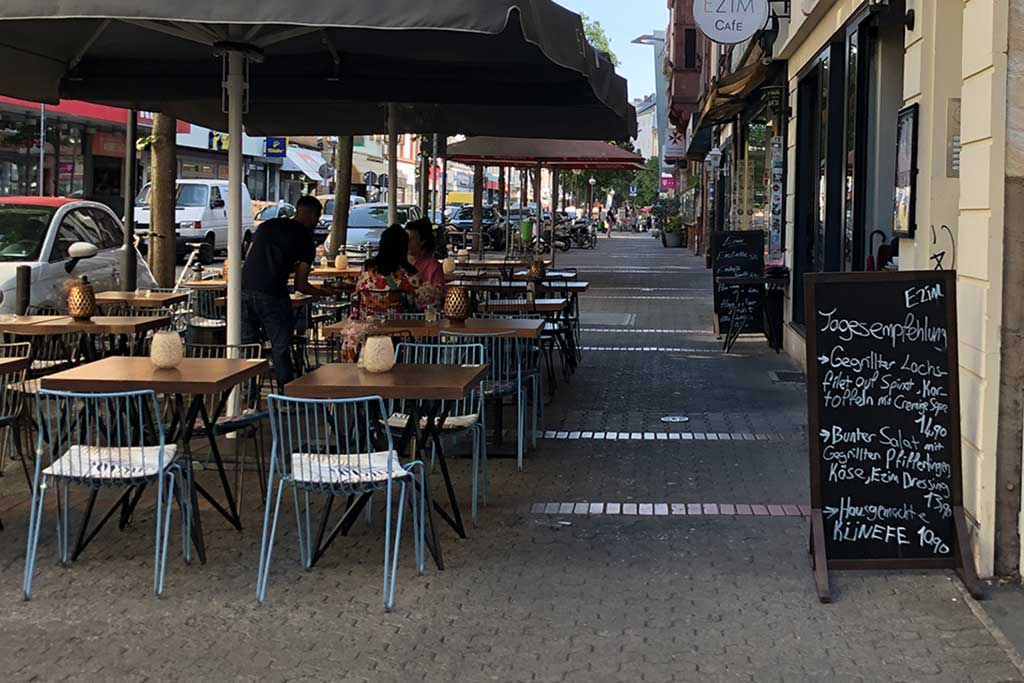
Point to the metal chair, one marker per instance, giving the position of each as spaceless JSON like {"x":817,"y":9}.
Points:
{"x":337,"y":447}
{"x":464,"y":416}
{"x":503,"y":354}
{"x":11,"y":406}
{"x":100,"y":441}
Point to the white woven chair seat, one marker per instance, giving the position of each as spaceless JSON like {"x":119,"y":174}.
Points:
{"x":453,"y":423}
{"x":350,"y":469}
{"x":28,"y":386}
{"x":47,"y":364}
{"x":110,"y":462}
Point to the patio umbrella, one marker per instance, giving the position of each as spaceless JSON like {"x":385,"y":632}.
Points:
{"x":281,"y":63}
{"x":555,"y":154}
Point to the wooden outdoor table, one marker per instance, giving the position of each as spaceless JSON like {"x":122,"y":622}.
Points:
{"x":219,"y":283}
{"x":12,"y":365}
{"x":524,"y":306}
{"x":22,"y":324}
{"x":298,"y":300}
{"x":430,"y":391}
{"x":351,"y":271}
{"x":521,"y":327}
{"x":195,"y":377}
{"x":550,"y":275}
{"x":493,"y":285}
{"x":140,"y":300}
{"x":103,"y":324}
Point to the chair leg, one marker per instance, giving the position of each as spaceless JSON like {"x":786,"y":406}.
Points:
{"x":34,"y":521}
{"x":520,"y":427}
{"x":305,"y":553}
{"x":165,"y":491}
{"x":267,"y":541}
{"x":476,"y":477}
{"x":180,"y":495}
{"x":391,"y":556}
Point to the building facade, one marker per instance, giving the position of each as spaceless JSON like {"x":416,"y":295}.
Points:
{"x":860,"y":80}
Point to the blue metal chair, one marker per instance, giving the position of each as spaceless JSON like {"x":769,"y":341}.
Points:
{"x":100,"y":441}
{"x":464,"y":416}
{"x":504,"y":355}
{"x":337,"y":447}
{"x":531,"y":354}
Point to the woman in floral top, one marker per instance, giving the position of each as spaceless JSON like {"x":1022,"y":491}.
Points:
{"x":388,"y":285}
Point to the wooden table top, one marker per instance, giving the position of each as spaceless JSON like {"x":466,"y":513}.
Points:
{"x":550,"y":275}
{"x":525,"y":328}
{"x":42,"y":325}
{"x":492,"y":285}
{"x":134,"y":373}
{"x":219,"y":283}
{"x":138,"y":300}
{"x":524,"y":306}
{"x":415,"y":382}
{"x":298,"y":300}
{"x":351,"y":271}
{"x":11,"y":365}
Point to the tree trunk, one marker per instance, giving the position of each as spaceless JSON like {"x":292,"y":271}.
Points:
{"x":342,"y":193}
{"x":478,"y":206}
{"x":163,"y":180}
{"x":501,"y":189}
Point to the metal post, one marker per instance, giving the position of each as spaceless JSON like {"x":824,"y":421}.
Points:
{"x":130,"y":266}
{"x":540,"y":210}
{"x":434,"y":179}
{"x":392,"y":164}
{"x":235,"y":86}
{"x":22,"y":288}
{"x":42,"y":148}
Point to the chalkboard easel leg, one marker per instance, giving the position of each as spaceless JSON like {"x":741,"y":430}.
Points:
{"x":818,"y":559}
{"x":965,"y":564}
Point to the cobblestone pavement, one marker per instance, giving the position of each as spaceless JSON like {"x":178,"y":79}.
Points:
{"x":533,"y":596}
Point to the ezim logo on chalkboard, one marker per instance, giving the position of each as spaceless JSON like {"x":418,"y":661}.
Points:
{"x":730,"y":21}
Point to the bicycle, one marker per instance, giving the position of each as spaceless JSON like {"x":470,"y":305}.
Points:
{"x":193,"y":269}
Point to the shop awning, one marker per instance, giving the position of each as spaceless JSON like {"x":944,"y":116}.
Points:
{"x":581,"y":154}
{"x":306,"y":161}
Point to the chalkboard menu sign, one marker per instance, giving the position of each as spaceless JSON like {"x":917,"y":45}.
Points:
{"x":738,"y":253}
{"x":884,"y":421}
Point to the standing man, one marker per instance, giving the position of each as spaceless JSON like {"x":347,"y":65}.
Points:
{"x":280,"y":247}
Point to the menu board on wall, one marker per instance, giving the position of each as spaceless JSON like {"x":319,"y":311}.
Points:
{"x":738,"y":253}
{"x":884,"y":423}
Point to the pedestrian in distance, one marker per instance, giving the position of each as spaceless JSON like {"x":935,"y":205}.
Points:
{"x":280,"y":247}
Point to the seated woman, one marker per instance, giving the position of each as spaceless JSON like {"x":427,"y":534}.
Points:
{"x":388,"y":285}
{"x":421,"y":252}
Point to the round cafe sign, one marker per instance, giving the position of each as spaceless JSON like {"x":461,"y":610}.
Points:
{"x":730,"y":21}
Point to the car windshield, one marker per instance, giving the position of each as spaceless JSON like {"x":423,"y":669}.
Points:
{"x":375,"y":216}
{"x":22,"y":231}
{"x":329,"y":208}
{"x":267,"y":213}
{"x":188,"y":195}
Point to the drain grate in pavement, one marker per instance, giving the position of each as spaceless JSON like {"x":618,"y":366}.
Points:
{"x":671,"y":509}
{"x":664,"y":436}
{"x":788,"y":376}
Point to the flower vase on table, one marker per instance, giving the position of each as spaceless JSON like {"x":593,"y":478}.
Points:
{"x":166,"y":349}
{"x":378,"y":354}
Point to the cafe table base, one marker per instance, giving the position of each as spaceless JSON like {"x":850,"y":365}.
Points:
{"x":429,"y":434}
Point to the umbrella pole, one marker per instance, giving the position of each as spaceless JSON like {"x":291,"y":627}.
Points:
{"x":130,"y":265}
{"x":392,"y":164}
{"x":235,"y":87}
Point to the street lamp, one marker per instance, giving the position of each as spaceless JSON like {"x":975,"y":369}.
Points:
{"x":590,"y":199}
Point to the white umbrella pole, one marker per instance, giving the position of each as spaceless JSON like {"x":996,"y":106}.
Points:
{"x":235,"y":86}
{"x":392,"y":164}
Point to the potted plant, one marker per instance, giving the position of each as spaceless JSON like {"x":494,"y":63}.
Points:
{"x":672,"y":232}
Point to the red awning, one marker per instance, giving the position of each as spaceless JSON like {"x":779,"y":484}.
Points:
{"x":581,"y":154}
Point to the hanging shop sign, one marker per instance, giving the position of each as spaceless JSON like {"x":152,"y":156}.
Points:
{"x":275,"y":147}
{"x":777,"y":198}
{"x":730,"y":21}
{"x":884,"y":424}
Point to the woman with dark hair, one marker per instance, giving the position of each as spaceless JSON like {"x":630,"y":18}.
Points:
{"x":421,"y":251}
{"x":388,"y":285}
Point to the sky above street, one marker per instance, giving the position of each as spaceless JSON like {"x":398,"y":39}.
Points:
{"x":624,"y":20}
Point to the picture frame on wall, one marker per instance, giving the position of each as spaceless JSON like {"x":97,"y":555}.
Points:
{"x":904,"y":214}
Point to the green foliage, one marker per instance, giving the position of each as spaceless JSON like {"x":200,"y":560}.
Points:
{"x":647,"y":181}
{"x":597,"y":37}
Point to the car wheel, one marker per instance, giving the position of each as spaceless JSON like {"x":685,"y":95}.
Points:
{"x":206,"y":252}
{"x":246,"y":243}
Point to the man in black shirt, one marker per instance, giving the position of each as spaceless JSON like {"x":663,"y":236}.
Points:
{"x":279,"y":247}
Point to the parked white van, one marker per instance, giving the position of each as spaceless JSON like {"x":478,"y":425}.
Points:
{"x":201,"y":214}
{"x":60,"y":239}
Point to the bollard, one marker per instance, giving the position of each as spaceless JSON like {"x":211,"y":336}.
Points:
{"x":23,"y":289}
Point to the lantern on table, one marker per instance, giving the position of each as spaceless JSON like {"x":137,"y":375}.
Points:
{"x":341,"y":262}
{"x":81,"y":299}
{"x":456,"y":304}
{"x":448,"y":266}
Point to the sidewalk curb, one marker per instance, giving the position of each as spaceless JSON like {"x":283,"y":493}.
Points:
{"x":997,"y":634}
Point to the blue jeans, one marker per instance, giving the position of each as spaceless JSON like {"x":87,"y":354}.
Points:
{"x":265,"y":316}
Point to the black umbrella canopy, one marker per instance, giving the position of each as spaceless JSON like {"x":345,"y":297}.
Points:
{"x":513,"y":67}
